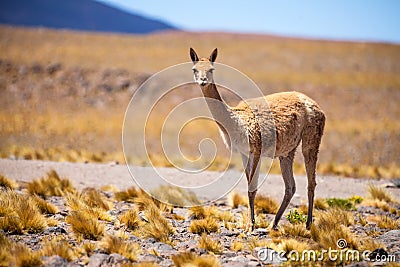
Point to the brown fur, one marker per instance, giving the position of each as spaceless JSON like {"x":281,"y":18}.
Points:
{"x":253,"y":126}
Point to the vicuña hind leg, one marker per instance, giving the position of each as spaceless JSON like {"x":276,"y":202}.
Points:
{"x":310,"y":147}
{"x":290,"y":185}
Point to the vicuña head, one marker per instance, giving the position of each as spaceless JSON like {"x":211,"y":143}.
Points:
{"x":203,"y":67}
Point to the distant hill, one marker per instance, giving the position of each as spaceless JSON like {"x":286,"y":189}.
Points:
{"x":87,"y":15}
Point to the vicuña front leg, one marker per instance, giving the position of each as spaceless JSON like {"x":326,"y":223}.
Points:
{"x":290,"y":185}
{"x":252,"y":169}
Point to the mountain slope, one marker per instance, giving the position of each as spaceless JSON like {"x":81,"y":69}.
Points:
{"x":87,"y":15}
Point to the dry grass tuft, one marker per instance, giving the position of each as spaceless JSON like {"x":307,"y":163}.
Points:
{"x":291,"y":244}
{"x":7,"y":183}
{"x":237,"y":246}
{"x":112,"y":244}
{"x":131,"y":219}
{"x":24,"y":256}
{"x":198,"y":212}
{"x":44,"y":206}
{"x":95,"y":199}
{"x":296,"y":230}
{"x":376,"y":203}
{"x":60,"y":248}
{"x":330,"y":226}
{"x":19,"y":213}
{"x":127,"y":195}
{"x":157,"y":227}
{"x":320,"y":204}
{"x":82,"y":202}
{"x":84,"y":225}
{"x":236,"y":199}
{"x":191,"y":259}
{"x":208,"y":225}
{"x":379,"y":193}
{"x":51,"y":185}
{"x":385,"y":222}
{"x":5,"y":248}
{"x":264,"y":204}
{"x":210,"y":245}
{"x":175,"y":196}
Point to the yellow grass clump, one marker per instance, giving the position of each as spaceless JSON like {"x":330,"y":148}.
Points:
{"x":84,"y":225}
{"x":210,"y":245}
{"x":157,"y":226}
{"x":208,"y":225}
{"x":112,"y":244}
{"x":385,"y":222}
{"x":296,"y":230}
{"x":24,"y":256}
{"x":330,"y":226}
{"x":237,"y":246}
{"x":84,"y":202}
{"x":7,"y":183}
{"x":379,"y":193}
{"x":19,"y":213}
{"x":131,"y":219}
{"x":60,"y":248}
{"x":51,"y":185}
{"x":44,"y":206}
{"x":264,"y":204}
{"x":191,"y":259}
{"x":127,"y":195}
{"x":236,"y":199}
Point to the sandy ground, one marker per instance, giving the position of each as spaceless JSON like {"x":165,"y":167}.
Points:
{"x":96,"y":175}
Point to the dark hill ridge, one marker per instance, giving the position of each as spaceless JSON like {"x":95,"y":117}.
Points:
{"x":86,"y":15}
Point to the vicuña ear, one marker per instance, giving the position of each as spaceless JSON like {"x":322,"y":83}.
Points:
{"x":213,"y":55}
{"x":193,"y":55}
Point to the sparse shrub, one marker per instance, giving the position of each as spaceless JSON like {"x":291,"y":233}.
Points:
{"x":51,"y":185}
{"x":209,"y":244}
{"x":379,"y":193}
{"x":236,"y":199}
{"x":44,"y":206}
{"x":191,"y":259}
{"x":356,"y":199}
{"x":112,"y":244}
{"x":60,"y":248}
{"x":207,"y":225}
{"x":7,"y":183}
{"x":342,"y":203}
{"x":264,"y":204}
{"x":84,"y":225}
{"x":131,"y":219}
{"x":19,"y":213}
{"x":295,"y":217}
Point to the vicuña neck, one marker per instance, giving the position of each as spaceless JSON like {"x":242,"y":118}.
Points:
{"x":222,"y":114}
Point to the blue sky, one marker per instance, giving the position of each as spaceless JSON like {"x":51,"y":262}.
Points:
{"x":360,"y":20}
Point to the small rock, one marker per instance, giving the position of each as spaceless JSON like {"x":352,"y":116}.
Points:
{"x":55,"y":261}
{"x":162,"y":247}
{"x":150,"y":258}
{"x":390,"y":239}
{"x":54,"y":229}
{"x":103,"y":260}
{"x":260,"y":231}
